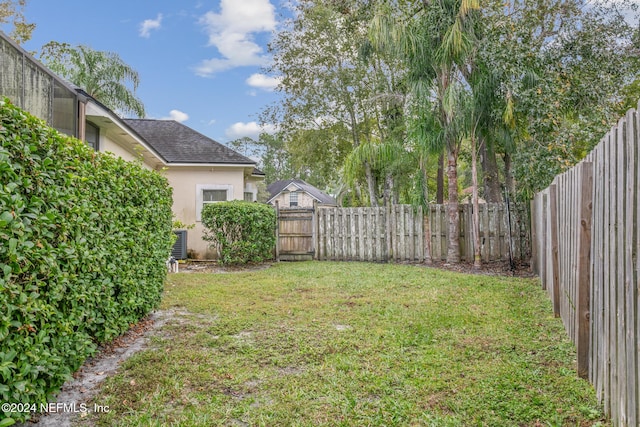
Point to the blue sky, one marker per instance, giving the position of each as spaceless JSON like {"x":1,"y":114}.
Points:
{"x":200,"y":61}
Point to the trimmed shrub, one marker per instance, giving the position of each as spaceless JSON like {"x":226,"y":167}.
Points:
{"x":241,"y":232}
{"x":84,"y":238}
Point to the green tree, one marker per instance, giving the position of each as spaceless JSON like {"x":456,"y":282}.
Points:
{"x":276,"y":160}
{"x":333,"y":95}
{"x":435,"y":40}
{"x":12,"y":16}
{"x":103,"y":75}
{"x":563,"y":68}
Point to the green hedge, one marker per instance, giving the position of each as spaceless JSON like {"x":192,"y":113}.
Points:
{"x":241,"y":232}
{"x":84,"y":238}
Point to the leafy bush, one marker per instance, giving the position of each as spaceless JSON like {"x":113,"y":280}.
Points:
{"x":241,"y":232}
{"x":84,"y":237}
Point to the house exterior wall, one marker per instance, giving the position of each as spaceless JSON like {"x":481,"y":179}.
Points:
{"x":187,"y":183}
{"x":107,"y":144}
{"x":304,"y":200}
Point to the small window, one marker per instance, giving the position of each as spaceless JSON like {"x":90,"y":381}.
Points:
{"x":293,"y":198}
{"x":211,"y":196}
{"x":248,"y":196}
{"x":211,"y":193}
{"x":91,"y":135}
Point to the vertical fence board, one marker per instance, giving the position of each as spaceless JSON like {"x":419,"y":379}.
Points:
{"x":609,"y":277}
{"x":630,"y":281}
{"x":583,"y":290}
{"x":637,"y":261}
{"x":419,"y":235}
{"x":532,"y":221}
{"x":381,"y":221}
{"x":486,"y":244}
{"x":619,"y":365}
{"x":400,"y":230}
{"x":553,"y":285}
{"x":597,"y":253}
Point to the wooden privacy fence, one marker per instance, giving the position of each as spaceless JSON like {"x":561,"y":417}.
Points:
{"x":371,"y":234}
{"x":586,"y":240}
{"x":398,"y":233}
{"x":504,"y":232}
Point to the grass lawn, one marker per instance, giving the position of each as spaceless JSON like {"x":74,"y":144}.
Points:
{"x":352,"y":344}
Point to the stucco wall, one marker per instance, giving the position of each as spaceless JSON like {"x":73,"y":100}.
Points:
{"x":187,"y":182}
{"x":109,"y":145}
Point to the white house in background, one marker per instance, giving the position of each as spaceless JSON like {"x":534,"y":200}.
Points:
{"x":292,"y":193}
{"x":199,"y":169}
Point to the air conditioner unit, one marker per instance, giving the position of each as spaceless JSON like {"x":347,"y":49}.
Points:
{"x":179,"y":250}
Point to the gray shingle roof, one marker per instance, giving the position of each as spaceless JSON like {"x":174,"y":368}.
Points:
{"x":276,"y":188}
{"x":177,"y":143}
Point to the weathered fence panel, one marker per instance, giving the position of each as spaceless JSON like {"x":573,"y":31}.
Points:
{"x":399,"y":233}
{"x":504,"y":233}
{"x":589,"y":217}
{"x":370,"y":234}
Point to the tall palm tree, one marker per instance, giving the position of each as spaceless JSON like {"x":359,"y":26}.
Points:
{"x":103,"y":75}
{"x":435,"y":43}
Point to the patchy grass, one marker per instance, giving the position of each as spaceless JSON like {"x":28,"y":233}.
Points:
{"x":351,"y":344}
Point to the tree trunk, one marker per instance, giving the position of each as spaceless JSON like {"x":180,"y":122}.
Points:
{"x":509,"y":181}
{"x":427,"y":213}
{"x":388,"y":188}
{"x":371,"y":184}
{"x":477,"y":256}
{"x":394,"y":191}
{"x":440,"y":180}
{"x":492,"y":192}
{"x":358,"y":191}
{"x":453,"y":252}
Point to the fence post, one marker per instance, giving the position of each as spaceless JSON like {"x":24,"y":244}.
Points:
{"x":584,"y":264}
{"x":542,"y":253}
{"x":277,"y":231}
{"x":533,"y":218}
{"x":389,"y":233}
{"x":427,"y":235}
{"x":314,"y":230}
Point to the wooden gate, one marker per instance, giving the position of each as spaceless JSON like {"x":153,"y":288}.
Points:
{"x":295,"y":234}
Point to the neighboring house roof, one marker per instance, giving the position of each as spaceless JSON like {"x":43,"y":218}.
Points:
{"x":178,"y":143}
{"x":279,"y":186}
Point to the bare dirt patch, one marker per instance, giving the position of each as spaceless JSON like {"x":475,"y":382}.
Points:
{"x":214,"y":267}
{"x":493,"y":268}
{"x":72,"y":400}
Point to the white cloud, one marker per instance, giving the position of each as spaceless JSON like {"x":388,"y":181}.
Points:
{"x":150,"y":24}
{"x":251,"y":129}
{"x":262,"y":81}
{"x":177,"y":115}
{"x":232,"y":32}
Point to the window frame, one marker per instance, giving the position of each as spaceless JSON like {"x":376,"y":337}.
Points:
{"x":293,"y":203}
{"x":200,"y":202}
{"x":95,"y":146}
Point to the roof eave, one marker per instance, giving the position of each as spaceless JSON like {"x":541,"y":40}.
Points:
{"x":235,"y":165}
